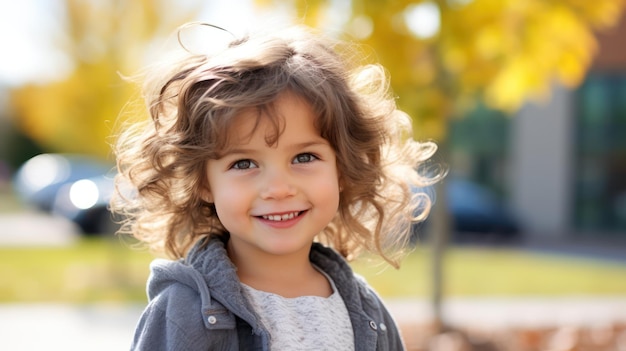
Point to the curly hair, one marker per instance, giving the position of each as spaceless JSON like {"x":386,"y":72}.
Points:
{"x":192,"y":104}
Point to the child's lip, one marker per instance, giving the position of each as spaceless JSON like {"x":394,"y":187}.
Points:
{"x":279,"y":212}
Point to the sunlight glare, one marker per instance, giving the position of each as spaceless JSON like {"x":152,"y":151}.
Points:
{"x":28,"y":53}
{"x":423,"y":19}
{"x":361,"y":27}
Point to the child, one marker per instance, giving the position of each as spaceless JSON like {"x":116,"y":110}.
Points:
{"x":264,"y":166}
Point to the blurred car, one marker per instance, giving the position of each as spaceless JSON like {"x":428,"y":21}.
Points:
{"x":476,"y":214}
{"x":77,"y":187}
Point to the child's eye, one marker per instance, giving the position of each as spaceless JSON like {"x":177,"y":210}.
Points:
{"x":304,"y":158}
{"x":243,"y":164}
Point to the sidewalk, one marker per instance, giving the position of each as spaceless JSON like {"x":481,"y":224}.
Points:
{"x":31,"y":228}
{"x":498,"y":313}
{"x":111,"y":326}
{"x":101,"y":327}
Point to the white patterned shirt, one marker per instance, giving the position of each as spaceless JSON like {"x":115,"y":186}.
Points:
{"x":305,"y":322}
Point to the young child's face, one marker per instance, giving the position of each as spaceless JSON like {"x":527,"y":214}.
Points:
{"x":275,"y":199}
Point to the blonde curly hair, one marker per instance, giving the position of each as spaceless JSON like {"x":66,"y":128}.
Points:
{"x":192,"y":104}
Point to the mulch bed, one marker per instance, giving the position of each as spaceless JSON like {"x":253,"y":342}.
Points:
{"x":609,"y":337}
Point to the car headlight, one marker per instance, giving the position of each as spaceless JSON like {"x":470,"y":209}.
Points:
{"x":84,"y":194}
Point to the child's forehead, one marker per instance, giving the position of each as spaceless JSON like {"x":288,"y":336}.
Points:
{"x":269,"y":121}
{"x":245,"y":123}
{"x":286,"y":107}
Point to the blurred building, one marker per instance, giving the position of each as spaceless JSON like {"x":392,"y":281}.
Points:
{"x":560,"y":165}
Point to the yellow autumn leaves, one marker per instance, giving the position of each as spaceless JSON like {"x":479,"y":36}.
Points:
{"x":103,"y":42}
{"x":501,"y":51}
{"x":504,"y":52}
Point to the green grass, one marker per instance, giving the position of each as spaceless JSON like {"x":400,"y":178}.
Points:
{"x":92,"y":270}
{"x":475,"y":271}
{"x":108,"y":270}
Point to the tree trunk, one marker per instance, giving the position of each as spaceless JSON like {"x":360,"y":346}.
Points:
{"x":439,"y":233}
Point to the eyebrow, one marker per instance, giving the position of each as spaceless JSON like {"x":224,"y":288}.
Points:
{"x":297,"y":146}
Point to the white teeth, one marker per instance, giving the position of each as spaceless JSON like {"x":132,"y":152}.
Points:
{"x":279,"y":218}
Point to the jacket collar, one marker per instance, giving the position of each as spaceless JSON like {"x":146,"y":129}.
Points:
{"x":210,"y":258}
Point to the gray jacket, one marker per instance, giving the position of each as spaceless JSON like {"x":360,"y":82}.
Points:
{"x":197,"y":304}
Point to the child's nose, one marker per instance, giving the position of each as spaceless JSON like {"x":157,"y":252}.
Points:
{"x":277,"y":184}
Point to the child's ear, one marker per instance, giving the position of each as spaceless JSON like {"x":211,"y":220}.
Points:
{"x":206,"y":195}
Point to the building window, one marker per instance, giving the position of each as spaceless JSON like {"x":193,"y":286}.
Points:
{"x":479,"y":148}
{"x":600,"y":155}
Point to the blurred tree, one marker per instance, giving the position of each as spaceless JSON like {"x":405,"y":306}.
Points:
{"x":446,"y":55}
{"x":102,"y":40}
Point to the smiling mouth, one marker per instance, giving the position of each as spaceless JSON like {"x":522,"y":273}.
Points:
{"x":282,"y":217}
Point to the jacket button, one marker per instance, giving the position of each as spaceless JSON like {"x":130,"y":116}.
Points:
{"x":211,"y":320}
{"x":373,"y":325}
{"x":383,"y":327}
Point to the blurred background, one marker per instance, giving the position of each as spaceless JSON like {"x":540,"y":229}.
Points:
{"x":525,"y":250}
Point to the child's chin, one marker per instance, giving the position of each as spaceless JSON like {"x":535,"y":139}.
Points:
{"x":285,"y":249}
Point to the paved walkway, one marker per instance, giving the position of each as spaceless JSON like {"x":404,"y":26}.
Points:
{"x":31,"y":228}
{"x":493,"y":313}
{"x":66,"y":327}
{"x":110,"y":326}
